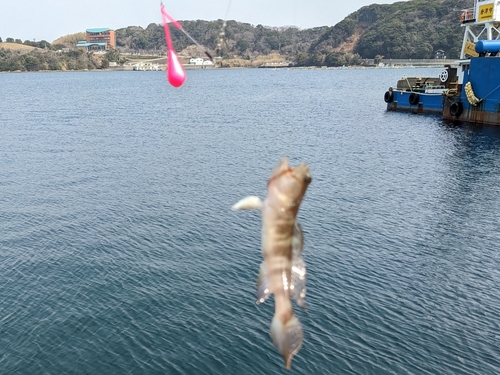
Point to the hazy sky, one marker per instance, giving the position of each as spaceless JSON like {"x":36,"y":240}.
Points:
{"x":50,"y":19}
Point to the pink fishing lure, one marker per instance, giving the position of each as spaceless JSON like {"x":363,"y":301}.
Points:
{"x":176,"y":74}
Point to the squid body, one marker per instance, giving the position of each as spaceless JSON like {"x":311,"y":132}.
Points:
{"x":283,"y":271}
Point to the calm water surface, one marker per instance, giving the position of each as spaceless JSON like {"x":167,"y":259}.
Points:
{"x":119,"y":253}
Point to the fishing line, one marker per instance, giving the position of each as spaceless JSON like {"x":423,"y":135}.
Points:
{"x":176,"y":74}
{"x":222,"y":32}
{"x":179,"y":26}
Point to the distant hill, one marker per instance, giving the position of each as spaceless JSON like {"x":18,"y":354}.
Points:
{"x":409,"y":29}
{"x":406,"y":29}
{"x":241,"y":39}
{"x":402,"y":30}
{"x":16,"y":47}
{"x":70,"y":40}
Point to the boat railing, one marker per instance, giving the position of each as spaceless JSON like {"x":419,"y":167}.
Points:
{"x":468,"y":15}
{"x":434,"y":87}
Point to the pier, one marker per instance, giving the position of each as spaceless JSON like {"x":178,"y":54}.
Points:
{"x":418,"y":62}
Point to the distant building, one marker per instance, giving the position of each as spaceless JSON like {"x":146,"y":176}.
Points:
{"x":200,"y":61}
{"x":439,"y":54}
{"x":102,"y":39}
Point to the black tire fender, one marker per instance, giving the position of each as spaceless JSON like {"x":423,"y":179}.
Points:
{"x":388,"y":97}
{"x":456,"y":109}
{"x":414,"y":98}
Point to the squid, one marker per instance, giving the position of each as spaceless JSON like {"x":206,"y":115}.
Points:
{"x":283,"y":271}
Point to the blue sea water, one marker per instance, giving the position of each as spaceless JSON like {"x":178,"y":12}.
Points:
{"x":119,"y":253}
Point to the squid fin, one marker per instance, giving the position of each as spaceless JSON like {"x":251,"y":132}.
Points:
{"x":248,"y":203}
{"x":287,"y":338}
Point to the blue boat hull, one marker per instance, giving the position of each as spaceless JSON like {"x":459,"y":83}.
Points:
{"x":476,"y":99}
{"x":415,"y":102}
{"x":484,"y":78}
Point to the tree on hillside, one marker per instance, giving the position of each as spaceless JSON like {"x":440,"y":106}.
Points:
{"x":57,"y":47}
{"x":115,"y":56}
{"x":242,"y":46}
{"x":378,"y":59}
{"x":316,"y":59}
{"x":1,"y":39}
{"x":302,"y":58}
{"x":342,"y":59}
{"x":155,"y":35}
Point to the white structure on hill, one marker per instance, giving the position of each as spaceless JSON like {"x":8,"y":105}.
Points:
{"x":200,"y":61}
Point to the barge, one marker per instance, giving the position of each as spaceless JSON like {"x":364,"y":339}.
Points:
{"x":469,"y":91}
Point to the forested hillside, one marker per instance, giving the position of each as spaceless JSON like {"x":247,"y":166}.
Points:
{"x":38,"y":59}
{"x":410,"y":29}
{"x":406,"y":29}
{"x":241,"y":39}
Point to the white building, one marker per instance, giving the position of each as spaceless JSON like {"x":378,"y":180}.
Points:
{"x":199,"y":61}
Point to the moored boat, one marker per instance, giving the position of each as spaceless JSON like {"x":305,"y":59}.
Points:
{"x":146,"y":67}
{"x":422,"y":94}
{"x":471,"y":90}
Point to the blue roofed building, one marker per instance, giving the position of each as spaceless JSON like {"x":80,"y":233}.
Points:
{"x":101,"y":39}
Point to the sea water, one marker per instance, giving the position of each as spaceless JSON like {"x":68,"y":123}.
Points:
{"x":119,"y":253}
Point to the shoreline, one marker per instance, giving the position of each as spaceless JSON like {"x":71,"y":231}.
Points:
{"x":357,"y":67}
